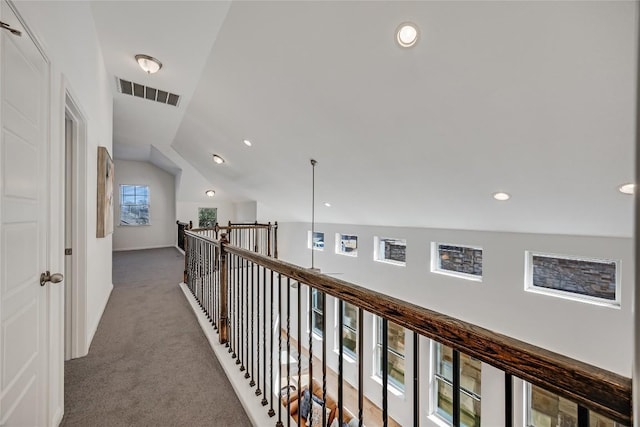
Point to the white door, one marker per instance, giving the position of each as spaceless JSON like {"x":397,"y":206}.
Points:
{"x":23,"y":227}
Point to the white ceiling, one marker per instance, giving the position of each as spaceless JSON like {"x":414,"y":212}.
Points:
{"x":532,"y":98}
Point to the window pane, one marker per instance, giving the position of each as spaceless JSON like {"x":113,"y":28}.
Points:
{"x":128,"y":200}
{"x":134,"y":204}
{"x":549,"y":409}
{"x":207,"y":217}
{"x":444,"y":365}
{"x":395,"y":368}
{"x":350,"y":316}
{"x":349,"y":340}
{"x":317,"y":322}
{"x":444,"y":392}
{"x":470,"y":386}
{"x":129,"y":190}
{"x":318,"y":300}
{"x":396,"y":337}
{"x":460,"y":259}
{"x":394,"y":250}
{"x":317,"y":240}
{"x":469,"y":410}
{"x":470,"y":374}
{"x":595,"y":279}
{"x":347,"y":244}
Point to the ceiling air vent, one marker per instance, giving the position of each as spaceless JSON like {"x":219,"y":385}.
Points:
{"x":146,"y":92}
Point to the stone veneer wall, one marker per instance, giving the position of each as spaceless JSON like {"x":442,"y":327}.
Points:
{"x":597,"y":279}
{"x":460,"y":259}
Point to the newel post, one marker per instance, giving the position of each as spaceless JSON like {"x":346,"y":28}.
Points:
{"x":224,"y":320}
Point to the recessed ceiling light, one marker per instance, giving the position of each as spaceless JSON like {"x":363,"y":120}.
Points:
{"x":327,"y":204}
{"x":148,"y":63}
{"x":627,"y":188}
{"x":247,"y":143}
{"x":219,"y":160}
{"x":210,"y":193}
{"x":407,"y":34}
{"x":501,"y":196}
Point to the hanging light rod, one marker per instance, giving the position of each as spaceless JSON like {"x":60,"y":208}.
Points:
{"x":313,"y":208}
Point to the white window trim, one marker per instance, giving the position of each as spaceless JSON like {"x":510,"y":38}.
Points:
{"x":435,"y":413}
{"x":353,"y":254}
{"x":317,"y":334}
{"x":571,"y":296}
{"x":310,"y":241}
{"x":435,"y":262}
{"x":376,"y":251}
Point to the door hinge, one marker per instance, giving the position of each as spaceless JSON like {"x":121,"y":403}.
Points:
{"x":5,"y":26}
{"x":67,"y":251}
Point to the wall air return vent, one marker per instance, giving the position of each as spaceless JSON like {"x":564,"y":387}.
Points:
{"x":146,"y":92}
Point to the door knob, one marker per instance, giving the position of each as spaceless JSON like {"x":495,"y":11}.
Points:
{"x":48,"y":277}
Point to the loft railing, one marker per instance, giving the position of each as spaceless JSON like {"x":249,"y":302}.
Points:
{"x":256,"y":237}
{"x":247,"y":296}
{"x":182,"y":226}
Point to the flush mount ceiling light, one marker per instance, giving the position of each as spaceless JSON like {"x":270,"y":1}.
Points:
{"x":501,"y":196}
{"x":219,"y":160}
{"x":407,"y":34}
{"x":210,"y":193}
{"x":247,"y":143}
{"x":148,"y":63}
{"x":627,"y":188}
{"x":327,"y":204}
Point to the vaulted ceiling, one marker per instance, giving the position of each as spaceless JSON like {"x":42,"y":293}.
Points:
{"x":533,"y":98}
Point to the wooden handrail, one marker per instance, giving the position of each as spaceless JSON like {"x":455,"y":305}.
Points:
{"x":193,"y":233}
{"x":595,"y":388}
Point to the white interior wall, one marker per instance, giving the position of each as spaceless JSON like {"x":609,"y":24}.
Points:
{"x":246,"y":211}
{"x":67,"y":34}
{"x":161,"y":231}
{"x":580,"y":330}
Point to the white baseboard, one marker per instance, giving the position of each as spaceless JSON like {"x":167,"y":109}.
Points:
{"x":179,"y":250}
{"x":141,"y":248}
{"x":251,"y":403}
{"x":94,"y":328}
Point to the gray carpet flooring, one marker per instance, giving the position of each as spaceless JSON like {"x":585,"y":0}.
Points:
{"x":149,"y":363}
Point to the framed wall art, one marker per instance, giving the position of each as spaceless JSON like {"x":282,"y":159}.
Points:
{"x":104,"y":225}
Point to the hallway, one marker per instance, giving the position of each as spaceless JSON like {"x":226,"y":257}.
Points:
{"x":149,"y":363}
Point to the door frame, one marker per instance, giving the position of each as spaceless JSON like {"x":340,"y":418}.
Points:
{"x":79,"y":277}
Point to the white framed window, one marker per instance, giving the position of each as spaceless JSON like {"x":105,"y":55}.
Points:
{"x":578,"y":278}
{"x":315,"y":240}
{"x":207,"y":217}
{"x":470,"y":386}
{"x":317,"y":315}
{"x":395,"y":353}
{"x":134,"y":204}
{"x":349,"y":329}
{"x":347,"y":244}
{"x":457,"y":260}
{"x":545,"y":408}
{"x":390,"y":250}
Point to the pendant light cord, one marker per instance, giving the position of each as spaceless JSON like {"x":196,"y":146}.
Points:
{"x":313,"y":210}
